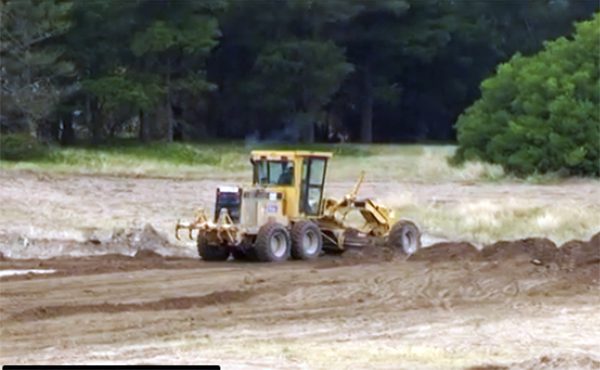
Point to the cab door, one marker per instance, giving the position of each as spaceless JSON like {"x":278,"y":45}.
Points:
{"x":311,"y":187}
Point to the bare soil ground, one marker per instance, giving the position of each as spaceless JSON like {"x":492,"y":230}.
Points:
{"x":120,"y":292}
{"x":69,"y":207}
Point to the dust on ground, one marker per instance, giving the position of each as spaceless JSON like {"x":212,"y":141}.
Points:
{"x":120,"y":290}
{"x":521,"y":304}
{"x":61,"y":207}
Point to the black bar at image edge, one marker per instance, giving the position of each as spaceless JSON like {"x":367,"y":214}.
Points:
{"x":111,"y":367}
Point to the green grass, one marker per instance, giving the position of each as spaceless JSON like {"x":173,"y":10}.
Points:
{"x":411,"y":162}
{"x":230,"y":159}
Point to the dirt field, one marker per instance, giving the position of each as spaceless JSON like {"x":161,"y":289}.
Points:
{"x":116,"y":291}
{"x":69,"y":207}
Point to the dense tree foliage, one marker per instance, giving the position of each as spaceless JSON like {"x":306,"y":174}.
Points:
{"x":370,"y":70}
{"x":31,"y":70}
{"x":541,"y":113}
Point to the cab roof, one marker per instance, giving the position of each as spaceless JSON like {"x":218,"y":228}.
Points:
{"x":287,"y":154}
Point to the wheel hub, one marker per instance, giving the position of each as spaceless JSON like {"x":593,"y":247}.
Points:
{"x":310,"y":242}
{"x":278,"y":245}
{"x":409,"y":242}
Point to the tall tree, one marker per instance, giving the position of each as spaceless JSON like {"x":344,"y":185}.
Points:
{"x":100,"y":51}
{"x":385,"y":69}
{"x":384,"y":38}
{"x":301,"y":77}
{"x":33,"y":69}
{"x":175,"y":44}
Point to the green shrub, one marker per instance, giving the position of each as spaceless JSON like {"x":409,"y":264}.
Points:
{"x":19,"y":147}
{"x":540,"y":114}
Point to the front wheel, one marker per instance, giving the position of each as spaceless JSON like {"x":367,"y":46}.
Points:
{"x":272,"y":243}
{"x":406,"y":236}
{"x":210,"y":252}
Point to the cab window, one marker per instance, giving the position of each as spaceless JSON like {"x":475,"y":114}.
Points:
{"x":311,"y":192}
{"x":274,"y":173}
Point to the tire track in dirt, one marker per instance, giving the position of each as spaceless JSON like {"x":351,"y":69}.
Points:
{"x":331,"y":291}
{"x":268,"y":292}
{"x":176,"y":303}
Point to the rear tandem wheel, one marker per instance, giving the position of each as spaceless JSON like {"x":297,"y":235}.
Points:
{"x":307,"y":241}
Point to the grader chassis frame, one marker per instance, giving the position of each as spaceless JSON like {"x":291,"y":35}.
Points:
{"x":282,"y":211}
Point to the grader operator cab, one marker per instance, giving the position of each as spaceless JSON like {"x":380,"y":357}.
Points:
{"x":284,"y":214}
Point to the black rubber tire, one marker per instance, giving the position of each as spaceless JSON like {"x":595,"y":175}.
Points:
{"x":263,"y":246}
{"x":405,"y":235}
{"x":244,"y":252}
{"x":211,"y":252}
{"x":251,"y":254}
{"x":300,"y":249}
{"x":238,"y":254}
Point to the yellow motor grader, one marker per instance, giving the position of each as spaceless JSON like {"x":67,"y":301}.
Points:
{"x":284,"y":214}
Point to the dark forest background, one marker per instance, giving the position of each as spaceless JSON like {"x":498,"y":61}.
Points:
{"x":286,"y":70}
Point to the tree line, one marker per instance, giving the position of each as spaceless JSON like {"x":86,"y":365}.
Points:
{"x":298,"y":70}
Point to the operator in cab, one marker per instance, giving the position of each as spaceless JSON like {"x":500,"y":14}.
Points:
{"x":287,"y":174}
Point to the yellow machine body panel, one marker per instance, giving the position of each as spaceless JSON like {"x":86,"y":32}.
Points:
{"x":287,"y":188}
{"x":260,"y":206}
{"x":299,"y":165}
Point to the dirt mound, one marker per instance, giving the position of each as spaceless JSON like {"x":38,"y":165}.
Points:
{"x":369,"y":253}
{"x":97,"y":242}
{"x":596,"y":240}
{"x":535,"y":250}
{"x":446,"y":252}
{"x":176,"y":303}
{"x":543,"y":250}
{"x":145,"y":240}
{"x":147,"y":255}
{"x":145,"y":248}
{"x":580,"y":253}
